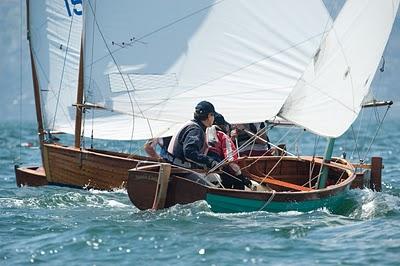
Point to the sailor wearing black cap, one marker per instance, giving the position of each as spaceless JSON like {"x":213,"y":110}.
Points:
{"x":188,"y":147}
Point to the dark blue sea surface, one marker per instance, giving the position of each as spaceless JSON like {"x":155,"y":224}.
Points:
{"x":64,"y":226}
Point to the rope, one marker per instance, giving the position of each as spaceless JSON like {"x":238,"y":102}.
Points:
{"x":20,"y":84}
{"x":312,"y":179}
{"x":312,"y":164}
{"x":159,"y":29}
{"x":50,"y":89}
{"x":123,"y":79}
{"x":376,"y":132}
{"x":268,"y":201}
{"x":62,"y":72}
{"x":90,"y":83}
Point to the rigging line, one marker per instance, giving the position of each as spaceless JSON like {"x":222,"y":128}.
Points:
{"x":329,"y":19}
{"x":161,"y":28}
{"x":376,"y":132}
{"x":356,"y":137}
{"x":42,"y":104}
{"x":20,"y":81}
{"x":239,"y":69}
{"x":295,"y":142}
{"x":312,"y":164}
{"x":264,"y":154}
{"x":270,"y":171}
{"x":90,"y":83}
{"x":122,"y":76}
{"x":360,"y":126}
{"x":356,"y":149}
{"x":344,"y":55}
{"x":50,"y":89}
{"x":83,"y":142}
{"x":268,"y":201}
{"x":333,"y":29}
{"x":62,"y":72}
{"x":238,"y":149}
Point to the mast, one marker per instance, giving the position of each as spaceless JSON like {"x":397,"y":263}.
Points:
{"x":36,"y":88}
{"x":324,"y":169}
{"x":79,"y":101}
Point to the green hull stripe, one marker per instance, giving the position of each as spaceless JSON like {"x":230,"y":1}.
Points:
{"x":220,"y":203}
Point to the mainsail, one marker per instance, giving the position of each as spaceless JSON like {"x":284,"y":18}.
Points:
{"x":147,"y":63}
{"x":55,"y":31}
{"x":328,"y":97}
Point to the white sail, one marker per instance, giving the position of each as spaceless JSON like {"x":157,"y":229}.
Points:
{"x":55,"y":29}
{"x":149,"y":62}
{"x":328,"y":97}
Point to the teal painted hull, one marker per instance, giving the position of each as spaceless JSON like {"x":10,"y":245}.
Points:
{"x":228,"y":204}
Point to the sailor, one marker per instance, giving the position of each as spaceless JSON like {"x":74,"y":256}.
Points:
{"x":247,"y":142}
{"x":221,"y":147}
{"x":188,"y":147}
{"x":151,"y":146}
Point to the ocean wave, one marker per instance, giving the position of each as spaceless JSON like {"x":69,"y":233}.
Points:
{"x":65,"y":200}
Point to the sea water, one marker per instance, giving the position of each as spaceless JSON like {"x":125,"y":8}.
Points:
{"x":64,"y":226}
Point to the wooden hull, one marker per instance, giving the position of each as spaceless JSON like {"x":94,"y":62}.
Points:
{"x":143,"y":185}
{"x":68,"y":166}
{"x":30,"y":176}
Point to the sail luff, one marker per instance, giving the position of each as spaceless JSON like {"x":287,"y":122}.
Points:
{"x":55,"y":29}
{"x":328,"y":98}
{"x":36,"y":87}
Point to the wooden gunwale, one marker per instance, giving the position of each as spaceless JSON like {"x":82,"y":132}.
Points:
{"x":181,"y":196}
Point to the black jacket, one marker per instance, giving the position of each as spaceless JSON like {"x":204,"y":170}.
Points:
{"x":190,"y":144}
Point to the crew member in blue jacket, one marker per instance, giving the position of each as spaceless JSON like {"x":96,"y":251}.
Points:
{"x":188,"y":147}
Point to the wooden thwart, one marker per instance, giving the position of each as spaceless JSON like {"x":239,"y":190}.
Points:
{"x":280,"y":183}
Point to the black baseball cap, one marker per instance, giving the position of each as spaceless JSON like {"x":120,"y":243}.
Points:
{"x":219,"y":120}
{"x":204,"y":107}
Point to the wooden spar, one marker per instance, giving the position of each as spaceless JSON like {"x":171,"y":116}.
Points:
{"x":376,"y":174}
{"x":79,"y":102}
{"x":162,"y":186}
{"x":323,"y":175}
{"x":377,"y":104}
{"x":36,"y":88}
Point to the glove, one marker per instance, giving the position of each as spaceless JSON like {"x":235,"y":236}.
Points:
{"x":246,"y":181}
{"x":213,"y":164}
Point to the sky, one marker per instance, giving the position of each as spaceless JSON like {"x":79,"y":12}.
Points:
{"x":16,"y":92}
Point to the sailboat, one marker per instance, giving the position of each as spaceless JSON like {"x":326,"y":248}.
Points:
{"x":135,"y":70}
{"x":55,"y":42}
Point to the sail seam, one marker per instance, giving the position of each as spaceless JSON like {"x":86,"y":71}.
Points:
{"x":239,"y":69}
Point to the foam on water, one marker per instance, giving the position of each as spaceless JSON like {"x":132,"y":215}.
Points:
{"x":59,"y":226}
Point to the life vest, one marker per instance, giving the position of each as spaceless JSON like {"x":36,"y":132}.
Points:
{"x":175,"y":147}
{"x":223,"y":146}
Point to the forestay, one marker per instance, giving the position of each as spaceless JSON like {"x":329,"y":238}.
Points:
{"x":55,"y":31}
{"x":328,"y":97}
{"x":149,"y":62}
